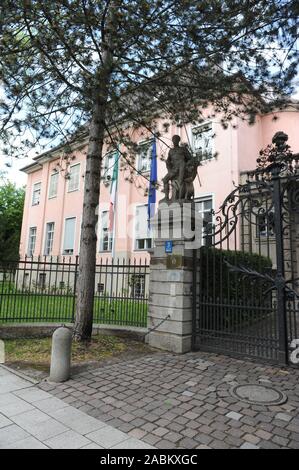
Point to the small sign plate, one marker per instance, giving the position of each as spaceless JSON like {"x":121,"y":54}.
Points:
{"x":174,"y":261}
{"x":168,"y":246}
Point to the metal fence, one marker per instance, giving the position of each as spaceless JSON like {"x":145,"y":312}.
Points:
{"x":44,"y":290}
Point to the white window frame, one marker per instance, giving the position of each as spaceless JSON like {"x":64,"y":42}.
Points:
{"x":30,"y":250}
{"x":108,"y":167}
{"x":110,"y":234}
{"x":146,"y":247}
{"x":145,"y":143}
{"x":46,"y":238}
{"x":269,"y":231}
{"x":193,"y":132}
{"x":71,"y":190}
{"x":203,"y":198}
{"x":135,"y":278}
{"x":63,"y":249}
{"x":33,"y":203}
{"x":52,"y":196}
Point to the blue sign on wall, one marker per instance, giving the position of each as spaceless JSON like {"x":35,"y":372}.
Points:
{"x":168,"y":246}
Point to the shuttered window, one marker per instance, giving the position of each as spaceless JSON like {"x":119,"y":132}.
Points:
{"x":49,"y":238}
{"x":69,"y":236}
{"x":53,"y":185}
{"x":74,"y":178}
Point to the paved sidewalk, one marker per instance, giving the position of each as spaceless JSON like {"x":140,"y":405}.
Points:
{"x":31,"y":418}
{"x":184,"y":401}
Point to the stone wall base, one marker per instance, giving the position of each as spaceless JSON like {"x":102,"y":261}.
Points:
{"x":169,"y":342}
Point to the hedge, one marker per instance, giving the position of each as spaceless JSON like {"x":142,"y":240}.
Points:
{"x":243,"y":297}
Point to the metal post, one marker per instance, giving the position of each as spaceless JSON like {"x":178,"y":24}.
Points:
{"x":194,"y":294}
{"x":279,"y":278}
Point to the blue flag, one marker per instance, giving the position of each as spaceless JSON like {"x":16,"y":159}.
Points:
{"x":152,"y":185}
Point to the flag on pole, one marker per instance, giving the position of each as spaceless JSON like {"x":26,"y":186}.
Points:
{"x":152,"y":185}
{"x":113,"y":190}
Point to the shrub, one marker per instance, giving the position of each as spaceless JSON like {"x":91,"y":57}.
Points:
{"x":233,"y":297}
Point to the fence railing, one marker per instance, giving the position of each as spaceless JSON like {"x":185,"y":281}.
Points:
{"x":44,"y":290}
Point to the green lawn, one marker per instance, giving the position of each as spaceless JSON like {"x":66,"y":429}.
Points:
{"x":27,"y":307}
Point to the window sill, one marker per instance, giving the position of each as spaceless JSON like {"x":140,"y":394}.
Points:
{"x":142,"y":249}
{"x":263,"y":239}
{"x":72,"y":190}
{"x":206,"y":161}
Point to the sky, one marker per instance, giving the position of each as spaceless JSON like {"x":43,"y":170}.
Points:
{"x":13,"y":173}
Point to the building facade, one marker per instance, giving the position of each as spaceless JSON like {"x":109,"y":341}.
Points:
{"x":54,"y":193}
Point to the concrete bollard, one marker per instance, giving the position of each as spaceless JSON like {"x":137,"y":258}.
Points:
{"x":61,"y":355}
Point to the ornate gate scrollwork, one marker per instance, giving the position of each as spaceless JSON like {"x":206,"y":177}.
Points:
{"x":259,"y":217}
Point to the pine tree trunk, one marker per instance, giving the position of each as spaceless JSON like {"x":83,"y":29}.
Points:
{"x":88,"y":242}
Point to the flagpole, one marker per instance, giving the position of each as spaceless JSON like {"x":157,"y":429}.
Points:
{"x":114,"y":211}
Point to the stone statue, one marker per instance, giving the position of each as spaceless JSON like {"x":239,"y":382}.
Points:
{"x":181,"y":172}
{"x":189,"y":177}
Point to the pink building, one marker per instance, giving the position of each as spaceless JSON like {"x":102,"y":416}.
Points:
{"x":53,"y":204}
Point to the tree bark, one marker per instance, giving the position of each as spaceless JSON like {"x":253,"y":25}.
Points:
{"x":88,"y":241}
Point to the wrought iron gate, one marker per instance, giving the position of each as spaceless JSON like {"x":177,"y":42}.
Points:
{"x":247,"y":300}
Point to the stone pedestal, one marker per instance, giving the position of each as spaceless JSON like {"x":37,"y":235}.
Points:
{"x":171,"y":278}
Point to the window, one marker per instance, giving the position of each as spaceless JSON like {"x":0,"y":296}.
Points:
{"x":144,"y":156}
{"x":69,"y":236}
{"x":109,"y":162}
{"x":53,"y":185}
{"x":74,"y":178}
{"x":202,"y":141}
{"x":105,"y":235}
{"x":25,"y":280}
{"x":36,"y":193}
{"x":265,"y":224}
{"x":49,"y":238}
{"x":31,"y":241}
{"x":204,"y":206}
{"x":143,"y":235}
{"x":101,"y":288}
{"x":138,"y":286}
{"x":42,"y":280}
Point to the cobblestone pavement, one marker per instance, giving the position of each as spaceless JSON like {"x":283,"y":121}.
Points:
{"x":183,"y":401}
